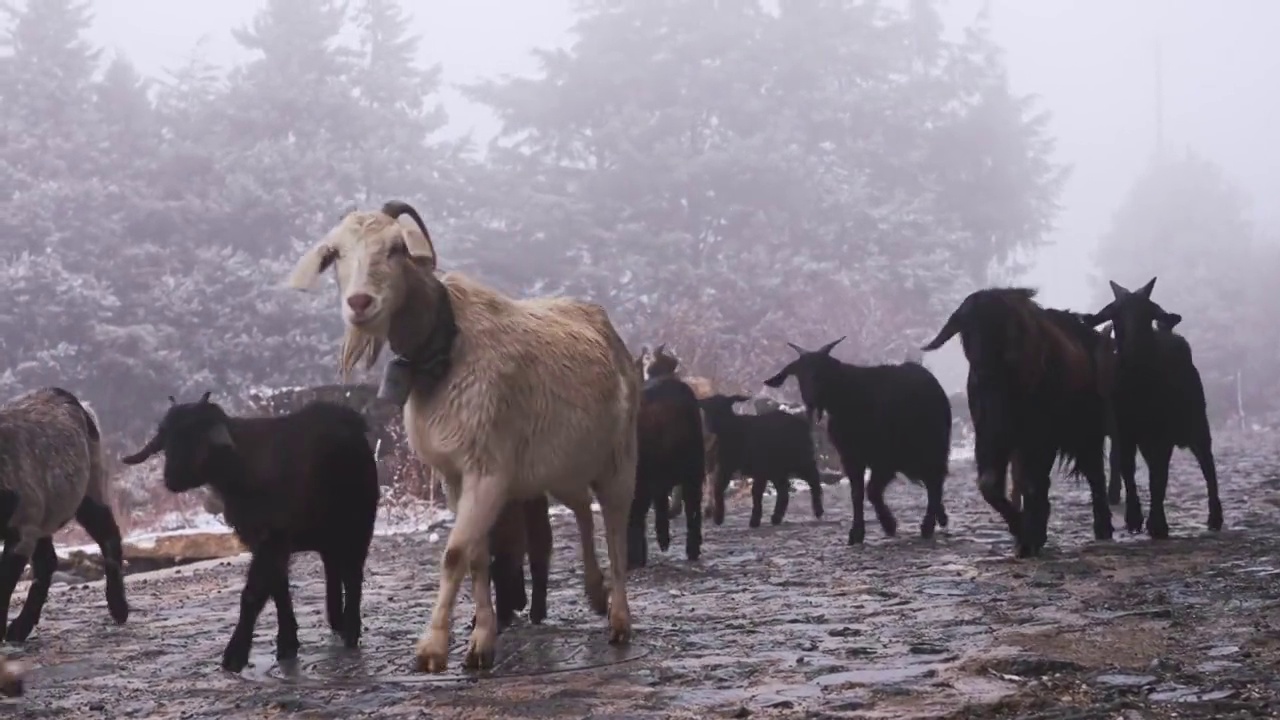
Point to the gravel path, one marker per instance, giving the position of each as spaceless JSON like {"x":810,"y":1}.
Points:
{"x":776,"y":622}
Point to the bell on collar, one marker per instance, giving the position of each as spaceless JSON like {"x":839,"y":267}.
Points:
{"x":397,"y":381}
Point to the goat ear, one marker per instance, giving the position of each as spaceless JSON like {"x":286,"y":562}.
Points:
{"x":1169,"y":320}
{"x":826,"y":349}
{"x":1118,"y":290}
{"x":1145,"y":291}
{"x":219,"y":436}
{"x":311,"y":265}
{"x":777,"y":380}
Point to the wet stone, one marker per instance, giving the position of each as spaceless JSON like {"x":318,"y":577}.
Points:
{"x":1125,"y":680}
{"x":1223,"y":651}
{"x":926,"y":650}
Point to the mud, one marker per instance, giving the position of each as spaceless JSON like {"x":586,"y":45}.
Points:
{"x":775,"y":622}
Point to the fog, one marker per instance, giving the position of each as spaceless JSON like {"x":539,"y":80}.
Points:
{"x":642,"y":171}
{"x":1094,"y":63}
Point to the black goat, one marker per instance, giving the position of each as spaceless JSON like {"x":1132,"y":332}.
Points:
{"x":771,"y":447}
{"x":1034,"y":395}
{"x":670,"y":454}
{"x":1159,"y":404}
{"x":305,"y":481}
{"x":523,"y":529}
{"x":889,"y":418}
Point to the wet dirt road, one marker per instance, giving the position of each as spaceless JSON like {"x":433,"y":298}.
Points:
{"x":773,"y":622}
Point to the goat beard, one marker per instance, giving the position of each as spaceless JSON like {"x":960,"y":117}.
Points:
{"x":357,"y":344}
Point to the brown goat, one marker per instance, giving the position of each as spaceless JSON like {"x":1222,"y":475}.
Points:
{"x":660,"y":364}
{"x":1035,"y":396}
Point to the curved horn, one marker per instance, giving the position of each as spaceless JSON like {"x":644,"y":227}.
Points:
{"x":658,"y":350}
{"x":826,"y":349}
{"x":799,"y":350}
{"x":205,"y":397}
{"x":151,"y":448}
{"x":396,"y":208}
{"x":947,"y":332}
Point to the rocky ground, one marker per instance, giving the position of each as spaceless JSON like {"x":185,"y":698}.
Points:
{"x":773,"y":622}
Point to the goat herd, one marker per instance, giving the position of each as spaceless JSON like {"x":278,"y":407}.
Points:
{"x":512,"y":401}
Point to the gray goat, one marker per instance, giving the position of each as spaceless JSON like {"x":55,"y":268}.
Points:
{"x":51,"y":471}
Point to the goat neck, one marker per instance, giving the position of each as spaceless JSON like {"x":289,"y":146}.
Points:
{"x":422,"y":333}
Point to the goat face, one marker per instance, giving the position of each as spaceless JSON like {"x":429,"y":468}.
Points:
{"x":716,"y":410}
{"x":371,"y":253}
{"x":1131,"y":315}
{"x":812,"y":371}
{"x":192,"y":436}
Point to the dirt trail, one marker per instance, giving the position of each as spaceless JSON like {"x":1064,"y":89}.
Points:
{"x":774,"y":622}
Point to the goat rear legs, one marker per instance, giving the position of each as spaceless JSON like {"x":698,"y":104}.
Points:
{"x":537,"y":523}
{"x":758,"y":484}
{"x":97,"y":520}
{"x":782,"y":491}
{"x":935,"y":514}
{"x":692,"y":487}
{"x":1203,"y":451}
{"x":43,"y":562}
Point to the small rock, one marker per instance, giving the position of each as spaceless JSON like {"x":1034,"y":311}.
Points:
{"x":1125,"y":680}
{"x":741,"y":712}
{"x":1223,"y":651}
{"x":97,"y":707}
{"x":926,"y":650}
{"x":844,"y":632}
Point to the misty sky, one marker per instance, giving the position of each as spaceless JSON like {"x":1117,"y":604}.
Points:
{"x":1092,"y":62}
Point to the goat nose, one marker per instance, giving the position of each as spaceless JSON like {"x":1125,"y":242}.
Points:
{"x":360,"y":302}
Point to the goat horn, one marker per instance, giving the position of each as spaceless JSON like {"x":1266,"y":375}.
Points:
{"x":205,"y":397}
{"x":173,"y":400}
{"x":396,"y":208}
{"x":826,"y":349}
{"x":799,"y":350}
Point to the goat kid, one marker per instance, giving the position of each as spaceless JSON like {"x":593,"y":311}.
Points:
{"x":770,"y":448}
{"x":302,"y":482}
{"x":1159,"y":404}
{"x":893,"y":419}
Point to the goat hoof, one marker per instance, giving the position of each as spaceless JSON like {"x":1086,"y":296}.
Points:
{"x":1158,"y":531}
{"x":351,"y":640}
{"x":754,"y":522}
{"x":1215,"y":521}
{"x":287,"y":649}
{"x":943,"y":520}
{"x":537,"y":614}
{"x":776,"y":520}
{"x":432,"y":653}
{"x":235,"y":659}
{"x":476,"y":658}
{"x":856,"y":536}
{"x":619,"y":629}
{"x":119,"y":610}
{"x":663,"y":545}
{"x":890,"y":528}
{"x":926,"y":530}
{"x":18,"y":632}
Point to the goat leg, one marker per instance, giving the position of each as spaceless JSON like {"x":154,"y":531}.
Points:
{"x":259,"y":584}
{"x":1157,"y":458}
{"x":1125,"y":460}
{"x":637,"y":543}
{"x":782,"y":490}
{"x":1203,"y":451}
{"x":880,"y":479}
{"x":692,"y":487}
{"x":43,"y":562}
{"x":758,"y":484}
{"x":353,"y":586}
{"x":857,"y":476}
{"x":537,"y":523}
{"x":12,"y":563}
{"x":98,"y":520}
{"x":286,"y":622}
{"x":332,"y":591}
{"x":662,"y":520}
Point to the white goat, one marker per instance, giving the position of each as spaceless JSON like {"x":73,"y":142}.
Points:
{"x":508,"y":399}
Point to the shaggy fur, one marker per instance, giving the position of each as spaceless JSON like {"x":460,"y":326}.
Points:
{"x":1034,"y":397}
{"x":540,"y":396}
{"x":892,"y":419}
{"x":51,"y":470}
{"x":302,"y":482}
{"x":1159,"y":404}
{"x":770,"y":448}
